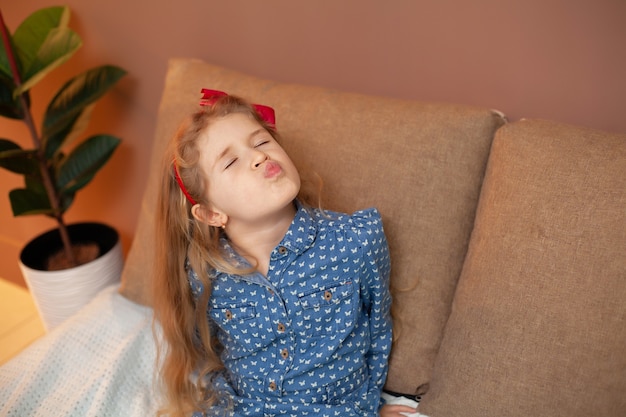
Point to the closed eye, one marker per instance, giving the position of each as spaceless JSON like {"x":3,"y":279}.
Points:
{"x":264,"y":142}
{"x":230,"y":163}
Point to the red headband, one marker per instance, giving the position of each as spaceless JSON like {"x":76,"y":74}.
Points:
{"x":208,"y":99}
{"x":182,"y":186}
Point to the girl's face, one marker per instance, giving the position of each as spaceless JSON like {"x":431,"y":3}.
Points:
{"x":250,"y":177}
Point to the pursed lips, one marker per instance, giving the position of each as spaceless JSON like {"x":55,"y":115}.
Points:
{"x":272,"y":169}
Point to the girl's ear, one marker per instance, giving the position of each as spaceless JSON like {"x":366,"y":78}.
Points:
{"x":210,"y":217}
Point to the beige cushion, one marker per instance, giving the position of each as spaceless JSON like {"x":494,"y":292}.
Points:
{"x":420,"y":164}
{"x":538,"y":325}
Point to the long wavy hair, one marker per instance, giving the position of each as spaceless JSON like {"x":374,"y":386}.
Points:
{"x":188,"y":355}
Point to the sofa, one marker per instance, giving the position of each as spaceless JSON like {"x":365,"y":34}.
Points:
{"x":507,"y":239}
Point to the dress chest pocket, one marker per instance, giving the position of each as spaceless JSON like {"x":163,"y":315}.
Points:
{"x":328,"y":310}
{"x":240,"y":326}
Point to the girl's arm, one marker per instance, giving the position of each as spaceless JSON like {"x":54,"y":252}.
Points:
{"x":391,"y":410}
{"x":377,"y":298}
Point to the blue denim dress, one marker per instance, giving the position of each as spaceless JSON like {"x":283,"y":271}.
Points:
{"x":313,"y":337}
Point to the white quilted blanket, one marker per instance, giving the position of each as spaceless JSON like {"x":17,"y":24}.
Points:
{"x":98,"y":363}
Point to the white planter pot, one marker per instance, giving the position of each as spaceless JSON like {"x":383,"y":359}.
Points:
{"x":60,"y":294}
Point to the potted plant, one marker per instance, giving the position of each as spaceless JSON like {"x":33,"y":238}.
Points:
{"x":52,"y":173}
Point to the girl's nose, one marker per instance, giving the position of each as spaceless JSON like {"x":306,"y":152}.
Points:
{"x":259,"y":158}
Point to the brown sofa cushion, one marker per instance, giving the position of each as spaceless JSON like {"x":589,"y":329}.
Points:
{"x":420,"y":164}
{"x":538,"y":325}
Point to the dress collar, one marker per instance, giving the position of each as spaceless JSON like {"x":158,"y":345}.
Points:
{"x":300,"y":235}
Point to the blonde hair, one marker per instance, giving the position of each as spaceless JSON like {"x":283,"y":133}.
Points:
{"x":189,"y":355}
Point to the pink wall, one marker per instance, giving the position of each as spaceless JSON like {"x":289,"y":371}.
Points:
{"x":556,"y":59}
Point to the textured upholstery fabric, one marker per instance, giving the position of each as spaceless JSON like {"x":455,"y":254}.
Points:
{"x":420,"y":164}
{"x":538,"y":325}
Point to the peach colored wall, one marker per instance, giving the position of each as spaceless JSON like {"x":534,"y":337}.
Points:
{"x":556,"y":59}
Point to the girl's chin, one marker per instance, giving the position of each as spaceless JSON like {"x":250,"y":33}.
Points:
{"x":287,"y":190}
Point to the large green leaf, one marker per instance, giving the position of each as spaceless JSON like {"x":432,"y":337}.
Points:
{"x":42,"y":42}
{"x":26,"y":201}
{"x":5,"y":66}
{"x":72,"y":126}
{"x":68,"y":113}
{"x":16,"y":159}
{"x":31,"y":34}
{"x":59,"y":46}
{"x":9,"y":105}
{"x":82,"y":164}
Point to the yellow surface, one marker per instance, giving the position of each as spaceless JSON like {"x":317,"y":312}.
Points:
{"x":20,"y":324}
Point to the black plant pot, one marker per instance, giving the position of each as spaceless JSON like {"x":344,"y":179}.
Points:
{"x":60,"y":294}
{"x":36,"y":252}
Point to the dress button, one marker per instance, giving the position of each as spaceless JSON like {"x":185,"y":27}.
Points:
{"x":282,"y":250}
{"x":328,"y":295}
{"x":284,"y":353}
{"x":272,"y":386}
{"x":228,"y":314}
{"x":281,"y":327}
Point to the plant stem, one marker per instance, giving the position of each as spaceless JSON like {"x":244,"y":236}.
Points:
{"x":41,"y":157}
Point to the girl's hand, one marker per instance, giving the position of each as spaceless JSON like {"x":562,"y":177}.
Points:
{"x":390,"y":410}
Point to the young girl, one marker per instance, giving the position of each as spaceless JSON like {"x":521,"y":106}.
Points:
{"x":267,"y":305}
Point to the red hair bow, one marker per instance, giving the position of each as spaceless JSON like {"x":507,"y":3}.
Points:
{"x":266,"y":112}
